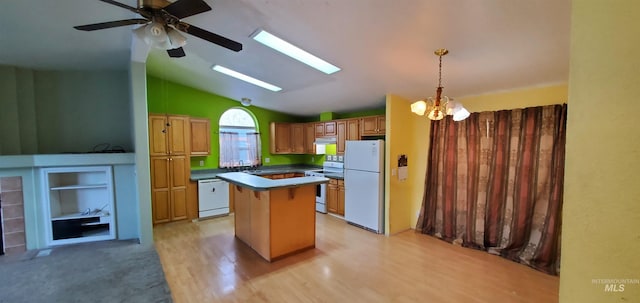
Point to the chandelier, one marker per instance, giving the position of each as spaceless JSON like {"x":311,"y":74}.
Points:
{"x":436,"y":108}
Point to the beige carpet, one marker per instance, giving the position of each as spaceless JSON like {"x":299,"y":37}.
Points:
{"x":107,"y":271}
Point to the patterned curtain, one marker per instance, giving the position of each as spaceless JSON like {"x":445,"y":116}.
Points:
{"x":494,"y":182}
{"x":254,"y":151}
{"x":229,"y":149}
{"x":239,"y":149}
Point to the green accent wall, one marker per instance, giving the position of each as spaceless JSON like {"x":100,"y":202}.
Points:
{"x":171,"y":98}
{"x":326,"y":116}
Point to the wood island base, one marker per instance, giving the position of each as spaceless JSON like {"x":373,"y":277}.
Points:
{"x":278,"y":222}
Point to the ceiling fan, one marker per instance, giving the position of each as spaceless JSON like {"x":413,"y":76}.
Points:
{"x":163,"y":24}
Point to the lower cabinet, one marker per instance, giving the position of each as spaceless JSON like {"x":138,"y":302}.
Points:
{"x":335,"y":197}
{"x":169,"y":179}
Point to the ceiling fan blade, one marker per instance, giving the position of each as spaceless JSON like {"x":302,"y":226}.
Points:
{"x":209,"y":36}
{"x":103,"y":25}
{"x":133,"y":9}
{"x":176,"y":52}
{"x":185,"y":8}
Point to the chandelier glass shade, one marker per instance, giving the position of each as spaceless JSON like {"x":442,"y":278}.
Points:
{"x":436,"y":108}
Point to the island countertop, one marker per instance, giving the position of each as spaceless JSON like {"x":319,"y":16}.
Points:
{"x":258,"y":183}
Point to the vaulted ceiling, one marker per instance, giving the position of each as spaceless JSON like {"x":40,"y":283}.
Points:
{"x":381,"y":46}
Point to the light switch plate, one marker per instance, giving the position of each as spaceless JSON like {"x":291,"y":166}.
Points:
{"x":267,"y":160}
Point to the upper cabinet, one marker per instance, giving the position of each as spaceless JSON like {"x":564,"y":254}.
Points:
{"x":326,"y":129}
{"x":297,"y":138}
{"x":346,"y":130}
{"x":309,"y":138}
{"x":168,"y":135}
{"x":200,"y":137}
{"x":372,"y":126}
{"x":280,"y":138}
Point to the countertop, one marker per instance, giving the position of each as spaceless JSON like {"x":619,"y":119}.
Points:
{"x":258,"y":183}
{"x":205,"y":174}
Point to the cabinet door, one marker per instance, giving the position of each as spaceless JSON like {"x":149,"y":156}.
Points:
{"x":382,"y":124}
{"x":178,"y":204}
{"x":319,"y":129}
{"x":297,"y":138}
{"x":341,"y":197}
{"x":179,"y":171}
{"x":200,"y":137}
{"x":353,"y":132}
{"x":330,"y":128}
{"x":341,"y":136}
{"x":280,"y":138}
{"x":369,"y":126}
{"x":242,"y":216}
{"x":332,"y":198}
{"x":160,"y":193}
{"x":158,"y":134}
{"x":309,"y":138}
{"x":178,"y":135}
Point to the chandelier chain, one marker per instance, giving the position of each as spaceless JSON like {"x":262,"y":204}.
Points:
{"x":440,"y":73}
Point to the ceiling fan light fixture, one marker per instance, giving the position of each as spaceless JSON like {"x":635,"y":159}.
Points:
{"x":154,"y":35}
{"x":175,"y":38}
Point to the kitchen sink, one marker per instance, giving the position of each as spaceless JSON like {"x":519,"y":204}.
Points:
{"x":253,"y":172}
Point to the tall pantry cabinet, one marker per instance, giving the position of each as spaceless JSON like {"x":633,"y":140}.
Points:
{"x":170,"y":166}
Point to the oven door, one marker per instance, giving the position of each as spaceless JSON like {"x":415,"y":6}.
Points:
{"x":321,"y":197}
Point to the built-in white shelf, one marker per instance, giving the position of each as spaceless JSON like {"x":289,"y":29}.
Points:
{"x":78,"y":216}
{"x":79,"y":186}
{"x":79,"y":204}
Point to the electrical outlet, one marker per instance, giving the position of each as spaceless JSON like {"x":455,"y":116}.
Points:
{"x":313,"y":159}
{"x":267,"y":160}
{"x":201,"y":162}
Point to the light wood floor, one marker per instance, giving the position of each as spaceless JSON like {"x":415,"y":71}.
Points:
{"x":204,"y":262}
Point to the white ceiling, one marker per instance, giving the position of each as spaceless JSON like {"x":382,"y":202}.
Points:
{"x":382,"y":47}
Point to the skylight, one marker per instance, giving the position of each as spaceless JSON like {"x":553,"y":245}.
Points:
{"x":243,"y":77}
{"x":293,"y":51}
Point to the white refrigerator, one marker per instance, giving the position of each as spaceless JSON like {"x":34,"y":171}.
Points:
{"x":364,"y":184}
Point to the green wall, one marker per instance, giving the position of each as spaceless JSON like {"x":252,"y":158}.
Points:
{"x":168,"y":97}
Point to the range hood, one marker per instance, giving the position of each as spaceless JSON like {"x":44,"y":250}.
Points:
{"x":321,"y":144}
{"x":325,"y":140}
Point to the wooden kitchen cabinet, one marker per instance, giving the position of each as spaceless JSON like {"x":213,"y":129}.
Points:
{"x":372,"y":126}
{"x":346,"y":130}
{"x":280,"y":138}
{"x":341,"y":197}
{"x":297,"y":138}
{"x":309,"y":138}
{"x":200,"y":137}
{"x":332,"y":196}
{"x":341,"y":136}
{"x":169,"y":179}
{"x":326,"y":129}
{"x":353,"y":129}
{"x":169,"y":137}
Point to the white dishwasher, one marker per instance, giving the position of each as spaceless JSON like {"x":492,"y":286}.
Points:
{"x":213,"y":198}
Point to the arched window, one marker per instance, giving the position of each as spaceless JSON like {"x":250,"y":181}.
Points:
{"x":239,"y":139}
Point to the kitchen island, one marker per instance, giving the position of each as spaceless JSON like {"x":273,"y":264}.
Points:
{"x":275,"y":218}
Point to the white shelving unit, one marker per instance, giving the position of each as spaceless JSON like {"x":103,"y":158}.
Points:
{"x":78,"y":204}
